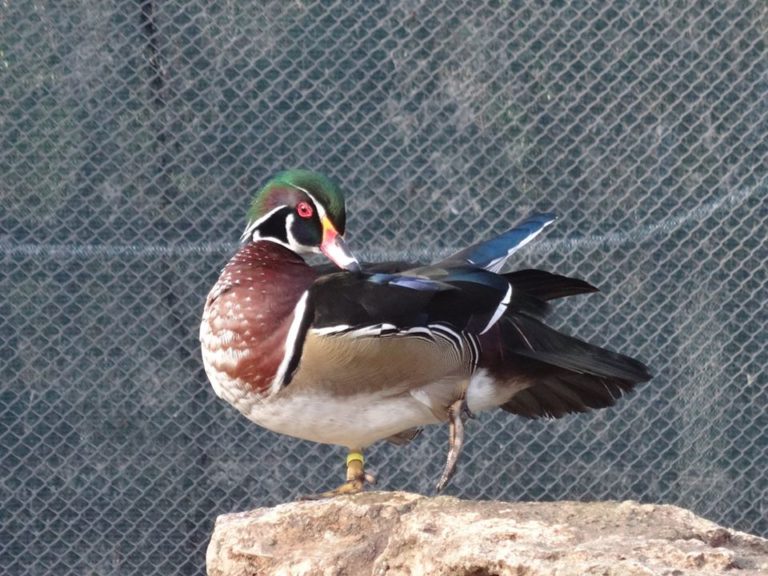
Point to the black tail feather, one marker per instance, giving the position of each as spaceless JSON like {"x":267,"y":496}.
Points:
{"x":566,"y":374}
{"x":547,"y":286}
{"x":560,"y":392}
{"x":528,"y":337}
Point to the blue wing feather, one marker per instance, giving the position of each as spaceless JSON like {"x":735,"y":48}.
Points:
{"x":491,"y":254}
{"x":447,"y":277}
{"x":462,"y":291}
{"x":405,"y":281}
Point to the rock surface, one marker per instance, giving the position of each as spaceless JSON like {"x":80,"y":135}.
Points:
{"x":397,"y":533}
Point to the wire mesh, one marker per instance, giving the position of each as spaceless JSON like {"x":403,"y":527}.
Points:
{"x":133,"y":134}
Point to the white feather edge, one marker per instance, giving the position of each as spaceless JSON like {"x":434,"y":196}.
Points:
{"x":495,"y":265}
{"x":500,"y":309}
{"x":291,"y":342}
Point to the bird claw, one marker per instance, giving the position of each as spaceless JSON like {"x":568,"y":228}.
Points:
{"x":458,"y":412}
{"x":349,"y":487}
{"x":357,"y":478}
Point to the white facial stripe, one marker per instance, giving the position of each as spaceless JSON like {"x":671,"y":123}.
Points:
{"x":292,"y":244}
{"x":320,"y":208}
{"x":251,"y":228}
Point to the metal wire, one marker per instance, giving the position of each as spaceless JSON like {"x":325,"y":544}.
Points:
{"x":133,"y":134}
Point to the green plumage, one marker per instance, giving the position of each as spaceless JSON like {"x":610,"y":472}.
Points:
{"x":322,"y":189}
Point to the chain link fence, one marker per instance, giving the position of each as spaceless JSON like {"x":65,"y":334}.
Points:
{"x":133,"y":134}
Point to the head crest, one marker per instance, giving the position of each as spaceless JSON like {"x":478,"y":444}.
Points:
{"x":321,"y":189}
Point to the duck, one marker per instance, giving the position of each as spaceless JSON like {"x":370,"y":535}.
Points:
{"x":349,"y":354}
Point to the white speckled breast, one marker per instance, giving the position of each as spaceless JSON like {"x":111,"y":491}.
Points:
{"x":246,"y":319}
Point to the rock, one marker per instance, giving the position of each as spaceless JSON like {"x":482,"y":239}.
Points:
{"x":397,"y":533}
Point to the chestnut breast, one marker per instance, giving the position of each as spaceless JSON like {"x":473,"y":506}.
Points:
{"x":247,"y":316}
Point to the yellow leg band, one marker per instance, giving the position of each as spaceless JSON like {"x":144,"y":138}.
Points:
{"x":355,"y":456}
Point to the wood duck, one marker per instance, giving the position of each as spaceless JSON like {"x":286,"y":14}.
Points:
{"x":353,"y":357}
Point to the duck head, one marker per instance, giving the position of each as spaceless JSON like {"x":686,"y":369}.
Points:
{"x":302,"y":211}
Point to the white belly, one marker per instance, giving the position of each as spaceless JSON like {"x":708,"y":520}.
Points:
{"x":360,"y":420}
{"x":355,"y":422}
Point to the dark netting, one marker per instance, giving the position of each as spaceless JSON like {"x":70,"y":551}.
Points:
{"x":133,"y":134}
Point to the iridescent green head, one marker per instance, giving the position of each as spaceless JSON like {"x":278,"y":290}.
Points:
{"x":304,"y":212}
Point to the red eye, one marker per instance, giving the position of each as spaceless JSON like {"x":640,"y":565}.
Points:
{"x":304,"y":210}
